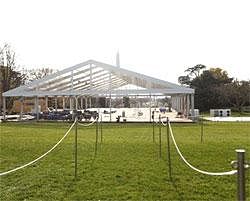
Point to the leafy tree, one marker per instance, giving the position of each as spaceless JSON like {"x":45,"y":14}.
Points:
{"x":184,"y":80}
{"x":35,"y":74}
{"x":10,"y":77}
{"x":208,"y":86}
{"x":221,"y":76}
{"x":196,"y":70}
{"x":237,"y":94}
{"x":208,"y":93}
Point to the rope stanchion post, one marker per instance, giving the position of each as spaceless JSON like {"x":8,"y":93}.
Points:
{"x":96,"y":136}
{"x":168,"y":151}
{"x":153,"y":127}
{"x":241,"y":174}
{"x":202,"y":128}
{"x":160,"y":136}
{"x":76,"y":148}
{"x":101,"y":129}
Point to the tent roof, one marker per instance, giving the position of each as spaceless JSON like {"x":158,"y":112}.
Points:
{"x":96,"y":78}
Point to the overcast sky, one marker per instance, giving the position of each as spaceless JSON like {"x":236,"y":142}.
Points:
{"x":156,"y":38}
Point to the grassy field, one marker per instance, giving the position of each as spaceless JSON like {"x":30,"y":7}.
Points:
{"x":127,"y":165}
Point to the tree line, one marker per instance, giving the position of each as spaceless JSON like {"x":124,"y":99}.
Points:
{"x":215,"y":89}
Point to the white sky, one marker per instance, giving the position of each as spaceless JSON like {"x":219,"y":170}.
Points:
{"x":156,"y":38}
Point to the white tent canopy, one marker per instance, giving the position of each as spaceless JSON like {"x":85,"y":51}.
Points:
{"x":93,"y":78}
{"x":96,"y":78}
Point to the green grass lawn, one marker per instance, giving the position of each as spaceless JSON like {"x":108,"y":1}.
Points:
{"x":127,"y":165}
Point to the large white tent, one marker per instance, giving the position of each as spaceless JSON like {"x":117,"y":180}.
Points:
{"x":95,"y":79}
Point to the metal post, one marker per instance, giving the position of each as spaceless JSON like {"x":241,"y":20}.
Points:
{"x":192,"y":105}
{"x":70,"y":103}
{"x":110,"y":117}
{"x":21,"y":108}
{"x":4,"y":108}
{"x":46,"y":103}
{"x":91,"y":83}
{"x":96,"y":137}
{"x":181,"y":104}
{"x":56,"y":103}
{"x":90,"y":76}
{"x":76,"y":105}
{"x":72,"y":80}
{"x":76,"y":148}
{"x":202,"y":129}
{"x":188,"y":105}
{"x":160,"y":136}
{"x":153,"y":128}
{"x":36,"y":107}
{"x":241,"y":174}
{"x":177,"y":104}
{"x":82,"y":103}
{"x":63,"y":99}
{"x":101,"y":130}
{"x":168,"y":154}
{"x":184,"y":105}
{"x":86,"y":102}
{"x":150,"y":109}
{"x":110,"y":103}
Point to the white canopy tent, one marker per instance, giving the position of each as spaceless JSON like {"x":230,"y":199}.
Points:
{"x":95,"y":79}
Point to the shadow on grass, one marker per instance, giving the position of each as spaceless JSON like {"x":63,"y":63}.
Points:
{"x":180,"y":196}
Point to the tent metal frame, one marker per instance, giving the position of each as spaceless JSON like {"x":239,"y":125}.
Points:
{"x":94,"y":79}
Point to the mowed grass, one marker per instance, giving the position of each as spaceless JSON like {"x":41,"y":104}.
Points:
{"x":127,"y":165}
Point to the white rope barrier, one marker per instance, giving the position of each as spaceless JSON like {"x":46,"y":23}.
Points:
{"x":40,"y":157}
{"x":86,"y":125}
{"x":194,"y":168}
